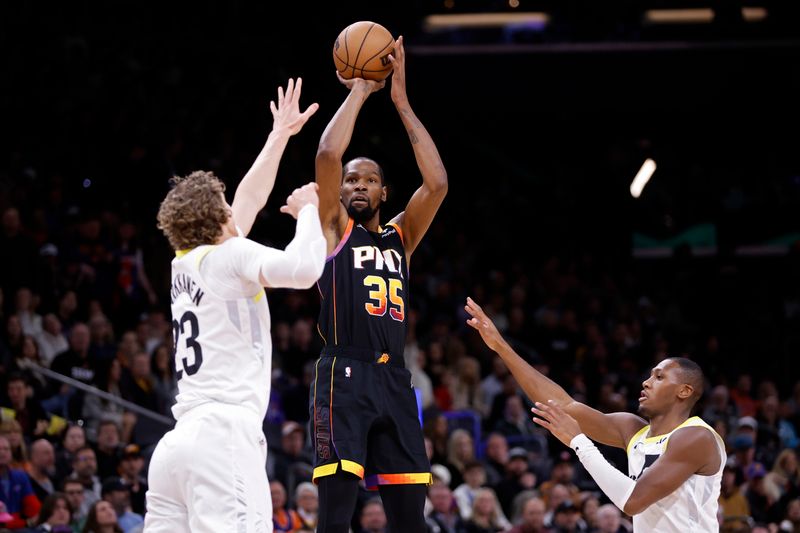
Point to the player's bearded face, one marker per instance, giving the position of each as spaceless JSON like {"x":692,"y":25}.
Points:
{"x":362,"y":212}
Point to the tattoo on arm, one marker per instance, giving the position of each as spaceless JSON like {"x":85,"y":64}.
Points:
{"x":415,"y":123}
{"x":412,"y":136}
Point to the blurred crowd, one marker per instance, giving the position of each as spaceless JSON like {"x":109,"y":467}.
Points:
{"x":84,"y":292}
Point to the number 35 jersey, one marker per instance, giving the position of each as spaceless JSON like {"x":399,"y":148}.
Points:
{"x":364,"y":291}
{"x":221,"y":327}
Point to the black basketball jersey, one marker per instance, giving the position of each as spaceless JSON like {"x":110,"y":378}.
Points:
{"x":363,"y":289}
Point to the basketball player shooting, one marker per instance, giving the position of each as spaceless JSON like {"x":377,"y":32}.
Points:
{"x":364,"y":409}
{"x":208,"y":475}
{"x":671,"y":488}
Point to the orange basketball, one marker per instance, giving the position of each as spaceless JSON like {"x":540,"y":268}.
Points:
{"x":362,"y":51}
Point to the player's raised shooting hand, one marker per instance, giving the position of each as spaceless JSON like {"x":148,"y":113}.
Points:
{"x":484,"y":325}
{"x":368,"y":86}
{"x":398,"y":59}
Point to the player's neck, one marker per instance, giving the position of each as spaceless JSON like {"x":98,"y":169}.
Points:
{"x":667,"y":422}
{"x":373,"y":224}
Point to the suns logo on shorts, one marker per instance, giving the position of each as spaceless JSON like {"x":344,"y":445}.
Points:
{"x":347,"y":372}
{"x":383,"y":359}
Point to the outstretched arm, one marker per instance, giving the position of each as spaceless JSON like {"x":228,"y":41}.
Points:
{"x":254,"y":189}
{"x":691,"y":450}
{"x":335,"y":140}
{"x":425,"y":201}
{"x":614,"y":429}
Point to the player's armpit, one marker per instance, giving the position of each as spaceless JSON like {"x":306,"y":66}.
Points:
{"x":611,"y":429}
{"x":691,"y":450}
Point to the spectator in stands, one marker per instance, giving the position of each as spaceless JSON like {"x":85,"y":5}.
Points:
{"x":97,"y":409}
{"x":774,"y":432}
{"x":55,"y":515}
{"x":74,"y":438}
{"x":485,"y":516}
{"x":15,"y":491}
{"x":67,"y":309}
{"x":131,"y":465}
{"x":13,"y":340}
{"x":460,"y":451}
{"x":117,"y":492}
{"x":102,"y":519}
{"x":474,"y":479}
{"x":373,"y":517}
{"x":51,"y":339}
{"x":84,"y":469}
{"x":435,"y":428}
{"x":11,"y":430}
{"x":720,"y":407}
{"x":284,"y":519}
{"x":553,"y":498}
{"x":784,"y":477}
{"x":563,"y":473}
{"x":76,"y":364}
{"x":791,"y":520}
{"x":444,"y":516}
{"x":24,"y":363}
{"x":166,"y":385}
{"x":532,"y":518}
{"x":292,"y":463}
{"x":756,"y":495}
{"x":492,"y":385}
{"x":101,"y":334}
{"x":733,"y":506}
{"x":21,"y":272}
{"x":306,"y":500}
{"x":108,"y":449}
{"x":588,"y":507}
{"x":138,"y":385}
{"x":466,"y":391}
{"x":741,"y":396}
{"x":74,"y":492}
{"x":30,"y":321}
{"x":28,"y":413}
{"x":518,"y":477}
{"x":609,"y":520}
{"x":496,"y":458}
{"x":567,"y":518}
{"x":42,"y":468}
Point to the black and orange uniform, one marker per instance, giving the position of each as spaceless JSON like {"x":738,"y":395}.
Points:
{"x":363,"y":405}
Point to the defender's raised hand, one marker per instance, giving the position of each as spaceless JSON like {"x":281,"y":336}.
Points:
{"x":301,"y":197}
{"x":484,"y":325}
{"x":286,"y":114}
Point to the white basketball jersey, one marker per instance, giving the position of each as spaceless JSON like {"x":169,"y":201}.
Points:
{"x":692,"y":507}
{"x":221,"y":330}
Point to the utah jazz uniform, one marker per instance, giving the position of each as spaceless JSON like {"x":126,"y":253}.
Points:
{"x":692,"y":507}
{"x":363,"y":405}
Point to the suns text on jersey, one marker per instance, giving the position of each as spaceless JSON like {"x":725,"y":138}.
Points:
{"x":183,"y":283}
{"x":391,"y":260}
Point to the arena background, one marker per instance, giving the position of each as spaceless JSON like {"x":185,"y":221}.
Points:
{"x":542,"y":127}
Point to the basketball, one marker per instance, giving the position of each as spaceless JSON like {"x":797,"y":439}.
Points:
{"x":362,"y":51}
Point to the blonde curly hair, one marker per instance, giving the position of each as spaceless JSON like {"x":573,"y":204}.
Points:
{"x":194,"y":211}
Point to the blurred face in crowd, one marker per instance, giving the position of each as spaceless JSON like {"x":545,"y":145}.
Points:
{"x":79,"y":338}
{"x":74,"y":439}
{"x":43,"y":456}
{"x":74,"y":492}
{"x":13,"y":327}
{"x":293,"y":442}
{"x":497,"y":448}
{"x":567,"y":520}
{"x":5,"y":452}
{"x":17,"y":393}
{"x":558,"y":493}
{"x":140,"y":366}
{"x":61,"y":515}
{"x":85,"y":463}
{"x":131,"y":466}
{"x":107,"y":437}
{"x":278,"y":494}
{"x":105,"y":514}
{"x":307,"y":500}
{"x":441,"y":498}
{"x":51,"y":324}
{"x":484,"y":503}
{"x":475,"y":476}
{"x":533,"y":513}
{"x":373,"y":517}
{"x":608,"y":519}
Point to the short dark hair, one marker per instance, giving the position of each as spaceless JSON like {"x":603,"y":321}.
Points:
{"x":692,"y":374}
{"x":362,"y":158}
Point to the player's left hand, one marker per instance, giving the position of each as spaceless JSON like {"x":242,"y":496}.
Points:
{"x":286,"y":114}
{"x":398,"y":59}
{"x":554,"y":419}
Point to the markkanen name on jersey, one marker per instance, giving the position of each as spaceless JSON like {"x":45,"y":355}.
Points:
{"x":182,"y":283}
